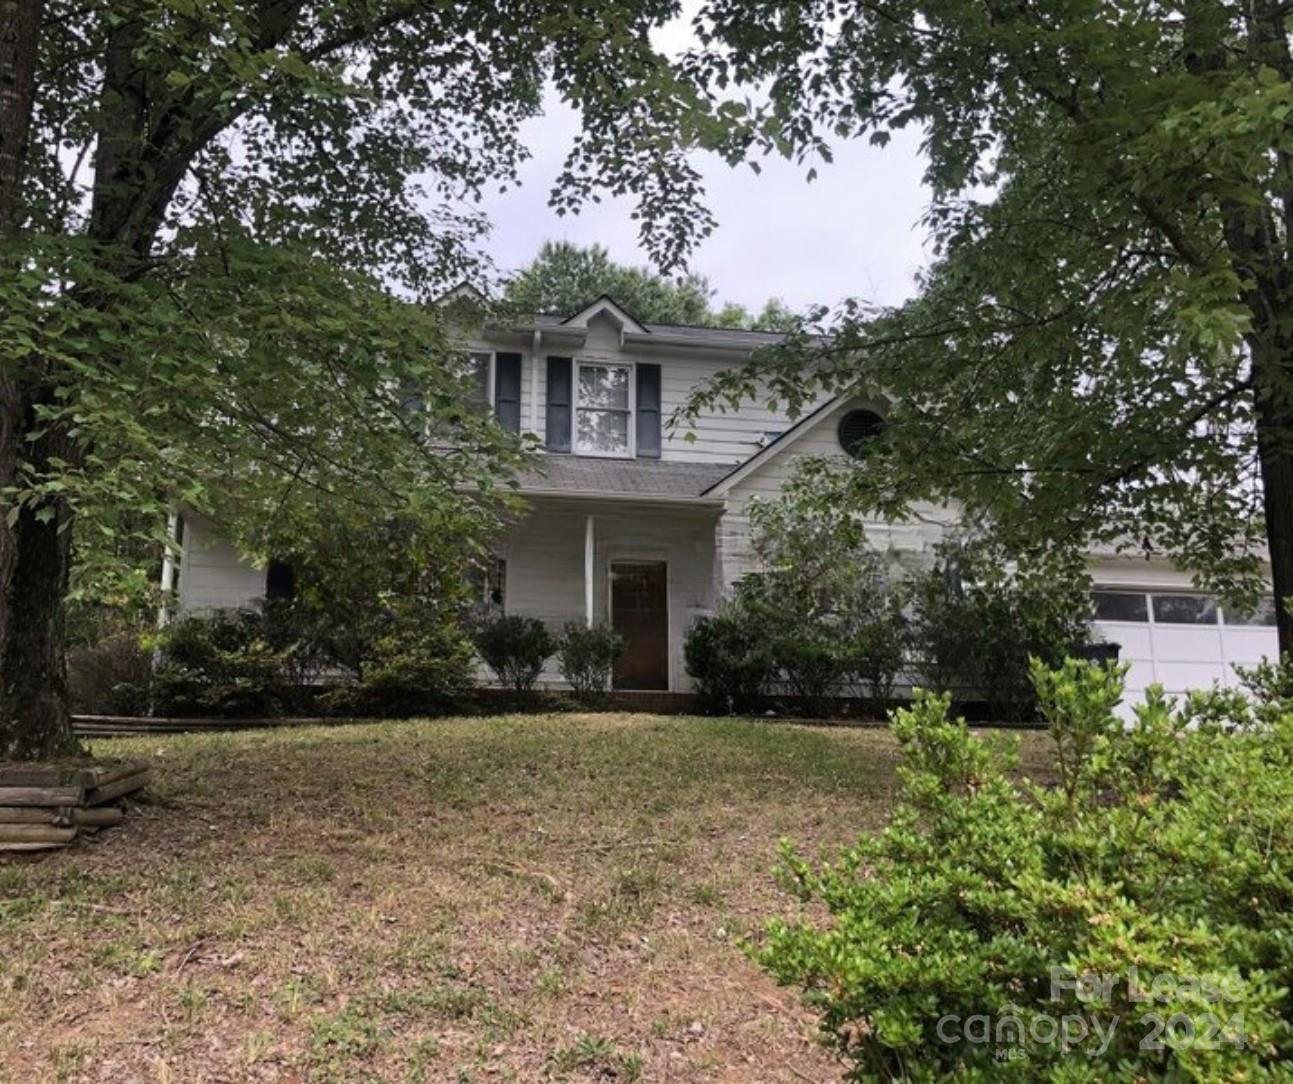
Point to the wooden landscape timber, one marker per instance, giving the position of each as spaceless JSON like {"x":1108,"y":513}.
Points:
{"x":49,"y":805}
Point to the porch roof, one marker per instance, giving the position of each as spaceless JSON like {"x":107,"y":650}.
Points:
{"x":595,"y":476}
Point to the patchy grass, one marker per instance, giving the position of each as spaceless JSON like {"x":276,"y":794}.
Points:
{"x":506,"y":899}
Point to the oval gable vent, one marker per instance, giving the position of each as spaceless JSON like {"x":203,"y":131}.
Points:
{"x":858,"y":428}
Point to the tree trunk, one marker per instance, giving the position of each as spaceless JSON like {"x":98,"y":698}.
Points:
{"x":1274,"y":409}
{"x":34,"y":543}
{"x":34,"y":720}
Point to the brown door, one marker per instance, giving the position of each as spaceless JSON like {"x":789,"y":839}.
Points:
{"x":640,"y":613}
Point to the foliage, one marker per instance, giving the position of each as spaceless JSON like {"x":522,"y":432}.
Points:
{"x":565,"y":278}
{"x":827,"y":604}
{"x":1101,"y":340}
{"x":217,"y":314}
{"x":515,"y":648}
{"x":413,"y":669}
{"x":727,"y":657}
{"x":977,"y":618}
{"x":111,"y":676}
{"x":587,"y":655}
{"x":1160,"y":851}
{"x":218,"y":664}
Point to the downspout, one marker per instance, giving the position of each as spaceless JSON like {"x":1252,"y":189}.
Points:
{"x":589,"y":561}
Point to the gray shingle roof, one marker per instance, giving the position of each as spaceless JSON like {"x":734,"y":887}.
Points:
{"x":638,"y":477}
{"x":725,"y":335}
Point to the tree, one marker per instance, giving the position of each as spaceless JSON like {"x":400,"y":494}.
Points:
{"x":1104,"y":349}
{"x":565,"y":277}
{"x":203,"y":209}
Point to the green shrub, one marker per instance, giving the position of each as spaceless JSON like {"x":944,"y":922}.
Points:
{"x":880,"y":644}
{"x":814,"y":663}
{"x":976,"y":619}
{"x":826,"y":604}
{"x":218,"y":664}
{"x":410,"y":671}
{"x":1140,"y":904}
{"x":728,"y":658}
{"x":515,"y":648}
{"x":587,"y":656}
{"x":111,"y":676}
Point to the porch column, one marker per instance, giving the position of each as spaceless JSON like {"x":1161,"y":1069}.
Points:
{"x":589,"y":552}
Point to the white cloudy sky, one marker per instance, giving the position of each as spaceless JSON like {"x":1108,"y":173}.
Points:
{"x":853,"y":232}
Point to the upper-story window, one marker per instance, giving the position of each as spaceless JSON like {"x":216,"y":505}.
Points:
{"x":603,"y":409}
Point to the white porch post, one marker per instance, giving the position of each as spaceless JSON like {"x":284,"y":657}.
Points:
{"x":589,"y":551}
{"x":168,"y":568}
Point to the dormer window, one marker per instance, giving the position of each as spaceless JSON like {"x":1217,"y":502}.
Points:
{"x":603,"y":410}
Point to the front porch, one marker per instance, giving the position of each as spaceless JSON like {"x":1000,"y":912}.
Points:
{"x":645,"y":567}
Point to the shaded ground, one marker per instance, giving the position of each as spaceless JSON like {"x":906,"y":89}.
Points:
{"x":506,"y":899}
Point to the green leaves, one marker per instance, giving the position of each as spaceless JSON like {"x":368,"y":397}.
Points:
{"x":1001,"y":929}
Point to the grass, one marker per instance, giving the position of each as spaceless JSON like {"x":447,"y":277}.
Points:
{"x":508,"y":899}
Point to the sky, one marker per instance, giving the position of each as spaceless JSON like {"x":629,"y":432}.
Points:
{"x":853,"y":232}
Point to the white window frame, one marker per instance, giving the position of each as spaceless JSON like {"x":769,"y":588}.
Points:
{"x":630,"y":451}
{"x":491,"y":368}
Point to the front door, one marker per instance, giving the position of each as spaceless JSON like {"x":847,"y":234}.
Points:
{"x":640,"y":613}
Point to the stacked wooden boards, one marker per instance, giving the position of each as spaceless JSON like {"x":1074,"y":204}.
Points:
{"x":48,"y":805}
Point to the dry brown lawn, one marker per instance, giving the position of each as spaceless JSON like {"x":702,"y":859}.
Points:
{"x":504,"y":899}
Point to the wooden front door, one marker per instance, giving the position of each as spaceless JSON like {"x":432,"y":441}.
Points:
{"x":640,"y":613}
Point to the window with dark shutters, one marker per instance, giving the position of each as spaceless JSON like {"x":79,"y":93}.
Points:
{"x":648,"y":407}
{"x":507,"y":391}
{"x":558,"y":409}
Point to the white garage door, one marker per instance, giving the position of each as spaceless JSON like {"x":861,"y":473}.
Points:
{"x":1181,"y":640}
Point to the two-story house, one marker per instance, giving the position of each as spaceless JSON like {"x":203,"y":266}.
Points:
{"x":643,"y":527}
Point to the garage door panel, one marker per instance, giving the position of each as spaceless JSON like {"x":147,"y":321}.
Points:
{"x":1184,"y":644}
{"x":1132,"y":639}
{"x":1139,"y":676}
{"x":1176,"y":676}
{"x":1249,"y":645}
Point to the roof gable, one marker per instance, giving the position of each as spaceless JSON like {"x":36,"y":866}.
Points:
{"x":608,"y":306}
{"x":802,"y":428}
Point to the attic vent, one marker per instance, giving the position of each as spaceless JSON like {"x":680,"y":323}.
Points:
{"x":858,"y":428}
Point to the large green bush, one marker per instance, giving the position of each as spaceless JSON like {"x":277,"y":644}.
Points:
{"x":587,"y":656}
{"x":1128,"y":919}
{"x":727,"y":655}
{"x":977,"y":618}
{"x":221,"y":664}
{"x":515,"y":648}
{"x":111,"y":676}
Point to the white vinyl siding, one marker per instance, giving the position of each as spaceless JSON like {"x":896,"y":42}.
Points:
{"x":545,"y":567}
{"x":212,"y":576}
{"x":916,"y":536}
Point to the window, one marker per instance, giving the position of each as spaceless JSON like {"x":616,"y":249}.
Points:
{"x":1119,"y":606}
{"x":602,"y":410}
{"x":479,"y":377}
{"x":858,"y":430}
{"x":1264,"y":614}
{"x":1184,"y":610}
{"x":489,"y":582}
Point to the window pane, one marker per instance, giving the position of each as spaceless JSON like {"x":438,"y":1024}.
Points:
{"x":478,"y":375}
{"x":496,"y":582}
{"x":1119,"y":606}
{"x":1185,"y":610}
{"x":604,"y":386}
{"x":1264,"y":614}
{"x":602,"y":431}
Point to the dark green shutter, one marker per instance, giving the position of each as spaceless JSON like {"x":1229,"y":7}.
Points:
{"x":507,"y":391}
{"x":559,"y":403}
{"x":648,"y":411}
